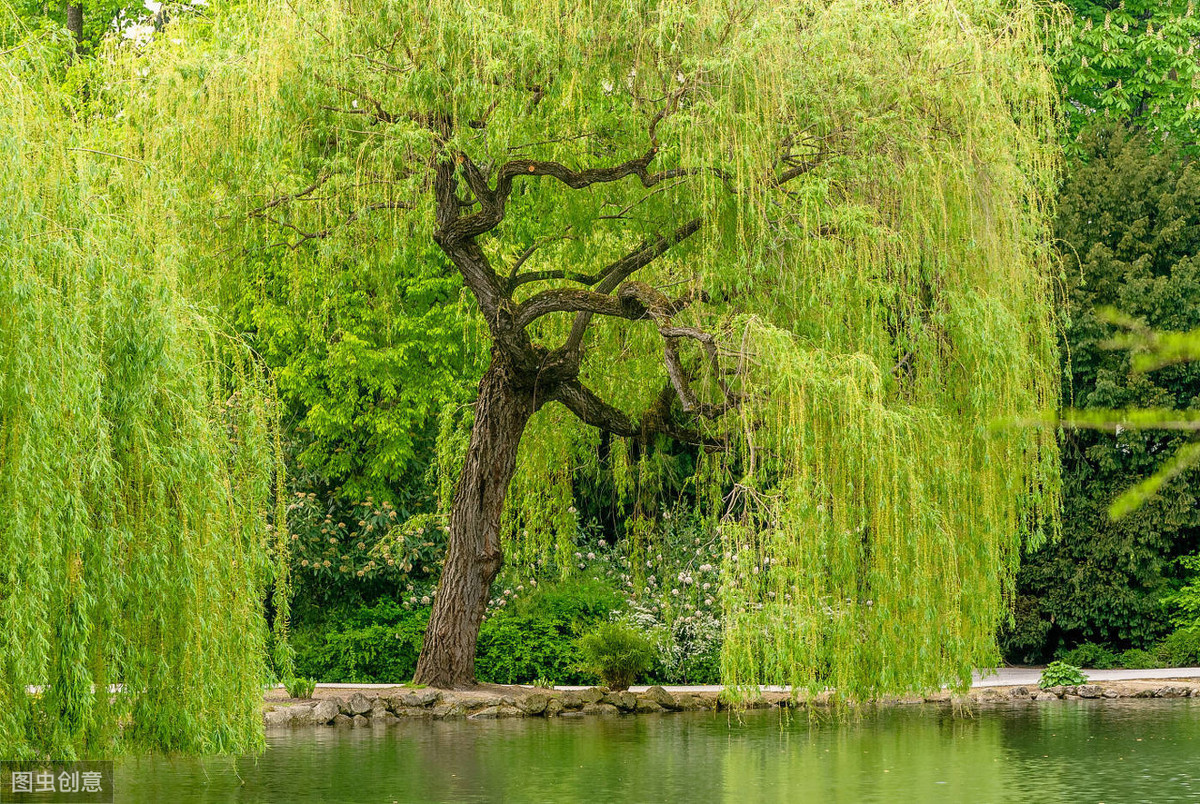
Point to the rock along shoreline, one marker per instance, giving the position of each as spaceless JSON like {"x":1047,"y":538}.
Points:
{"x":380,"y":707}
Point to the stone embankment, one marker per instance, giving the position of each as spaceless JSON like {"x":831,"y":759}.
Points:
{"x":376,"y":707}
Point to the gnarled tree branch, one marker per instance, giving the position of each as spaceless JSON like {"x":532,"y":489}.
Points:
{"x":594,"y":411}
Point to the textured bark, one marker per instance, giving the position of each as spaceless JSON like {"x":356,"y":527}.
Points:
{"x":75,"y":22}
{"x":474,"y":556}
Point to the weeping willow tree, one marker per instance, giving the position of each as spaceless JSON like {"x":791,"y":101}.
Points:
{"x":136,"y":464}
{"x":807,"y":238}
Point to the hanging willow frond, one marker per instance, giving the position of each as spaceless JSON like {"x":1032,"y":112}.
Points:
{"x":136,"y":463}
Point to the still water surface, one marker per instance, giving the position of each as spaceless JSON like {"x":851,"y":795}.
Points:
{"x":1111,"y":752}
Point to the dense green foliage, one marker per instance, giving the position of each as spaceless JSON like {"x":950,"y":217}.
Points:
{"x":536,"y":636}
{"x":1133,"y":62}
{"x":1180,"y":649}
{"x":367,"y":350}
{"x":136,"y":466}
{"x":1093,"y":656}
{"x":1129,"y":224}
{"x":361,"y":644}
{"x":1138,"y":659}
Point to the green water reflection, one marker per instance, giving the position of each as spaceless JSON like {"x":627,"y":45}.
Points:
{"x":1055,"y":752}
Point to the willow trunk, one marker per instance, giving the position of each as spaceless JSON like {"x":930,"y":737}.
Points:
{"x":474,"y":555}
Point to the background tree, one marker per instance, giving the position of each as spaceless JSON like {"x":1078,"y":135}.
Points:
{"x":1133,"y":61}
{"x":83,"y":25}
{"x":1129,"y":224}
{"x":1128,"y":75}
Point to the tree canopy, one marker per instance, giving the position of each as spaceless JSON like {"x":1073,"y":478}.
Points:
{"x":879,"y":311}
{"x":1129,"y":225}
{"x":1133,"y":61}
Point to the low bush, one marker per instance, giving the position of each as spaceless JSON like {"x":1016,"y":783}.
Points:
{"x":537,"y":635}
{"x":617,"y":653}
{"x":1089,"y":654}
{"x":376,"y":644}
{"x":1138,"y":659}
{"x":1180,"y":649}
{"x":1061,"y":674}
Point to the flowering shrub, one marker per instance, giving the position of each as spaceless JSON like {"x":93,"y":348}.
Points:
{"x":367,"y":543}
{"x":668,"y":581}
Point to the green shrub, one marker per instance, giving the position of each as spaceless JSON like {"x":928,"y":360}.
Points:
{"x":300,"y":687}
{"x":1061,"y":674}
{"x":376,"y":644}
{"x":617,"y":653}
{"x":1180,"y":649}
{"x":537,"y":635}
{"x":1138,"y":659}
{"x":1089,"y":654}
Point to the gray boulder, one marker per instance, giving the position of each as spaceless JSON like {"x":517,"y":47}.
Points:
{"x":534,"y":703}
{"x":494,"y":712}
{"x":446,"y":711}
{"x":276,"y":718}
{"x":660,"y":696}
{"x":324,"y":712}
{"x":1171,"y":691}
{"x":591,"y":695}
{"x":358,"y":704}
{"x":625,"y":701}
{"x":600,"y":709}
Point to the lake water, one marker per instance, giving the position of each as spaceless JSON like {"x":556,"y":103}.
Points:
{"x":1075,"y":751}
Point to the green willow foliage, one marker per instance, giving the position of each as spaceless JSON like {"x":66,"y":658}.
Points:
{"x":134,"y":484}
{"x":883,"y":313}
